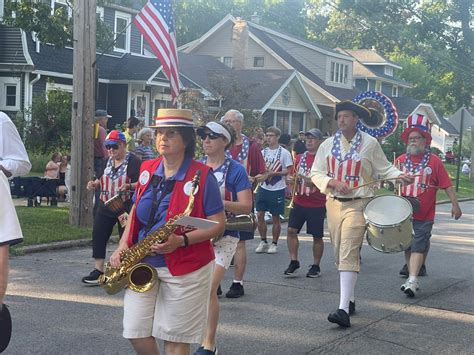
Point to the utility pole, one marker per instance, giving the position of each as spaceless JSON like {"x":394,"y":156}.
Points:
{"x":83,"y":104}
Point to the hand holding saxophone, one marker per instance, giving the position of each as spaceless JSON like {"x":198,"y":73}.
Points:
{"x":115,"y":258}
{"x":174,"y":242}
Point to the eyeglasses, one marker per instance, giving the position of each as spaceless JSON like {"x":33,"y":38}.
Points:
{"x":231,"y":122}
{"x":270,"y":135}
{"x":211,"y":135}
{"x":112,"y":146}
{"x":414,"y":139}
{"x":168,"y":134}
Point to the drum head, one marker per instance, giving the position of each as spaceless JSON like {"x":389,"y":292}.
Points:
{"x":387,"y":210}
{"x":5,"y":328}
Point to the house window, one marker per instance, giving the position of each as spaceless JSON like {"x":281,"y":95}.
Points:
{"x":122,"y":32}
{"x":227,"y":61}
{"x":9,"y":94}
{"x":378,"y":86}
{"x":388,"y":71}
{"x":258,"y":62}
{"x":395,"y":91}
{"x":339,"y":73}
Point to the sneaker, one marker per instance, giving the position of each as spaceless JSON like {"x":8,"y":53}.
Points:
{"x":410,"y":287}
{"x":272,"y":249}
{"x":236,"y":291}
{"x":340,"y":317}
{"x":352,"y":308}
{"x":268,"y":217}
{"x":219,"y":290}
{"x":262,"y":247}
{"x":294,"y":265}
{"x":202,"y":351}
{"x":404,"y":271}
{"x":314,"y":271}
{"x":92,"y":278}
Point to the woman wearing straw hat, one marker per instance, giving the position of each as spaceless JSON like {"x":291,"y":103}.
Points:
{"x":236,"y":190}
{"x":175,"y":309}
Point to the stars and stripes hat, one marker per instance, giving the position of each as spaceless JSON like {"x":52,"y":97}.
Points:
{"x":172,"y":117}
{"x":115,"y":136}
{"x":417,"y":122}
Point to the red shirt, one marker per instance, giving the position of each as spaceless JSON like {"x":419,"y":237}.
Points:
{"x":99,"y":144}
{"x":307,"y":196}
{"x":254,"y":163}
{"x":433,"y":177}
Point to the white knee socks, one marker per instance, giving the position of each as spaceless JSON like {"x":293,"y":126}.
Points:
{"x":348,"y":281}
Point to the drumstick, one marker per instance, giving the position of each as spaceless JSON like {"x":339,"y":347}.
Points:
{"x":379,"y":180}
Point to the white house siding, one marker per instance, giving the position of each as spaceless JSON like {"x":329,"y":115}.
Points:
{"x":317,"y":97}
{"x":220,"y":45}
{"x":295,"y":103}
{"x":441,"y":139}
{"x":256,"y":50}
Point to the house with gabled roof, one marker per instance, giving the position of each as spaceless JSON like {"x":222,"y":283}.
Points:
{"x":373,"y":72}
{"x":328,"y":75}
{"x":325,"y":73}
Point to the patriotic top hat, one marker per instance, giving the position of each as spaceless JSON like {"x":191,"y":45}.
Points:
{"x":172,"y":117}
{"x":419,"y":123}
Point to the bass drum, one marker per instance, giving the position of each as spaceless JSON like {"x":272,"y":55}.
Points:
{"x":389,"y":223}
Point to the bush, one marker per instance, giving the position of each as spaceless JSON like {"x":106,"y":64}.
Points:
{"x":38,"y":162}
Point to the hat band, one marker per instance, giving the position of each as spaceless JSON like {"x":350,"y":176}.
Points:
{"x":423,"y":128}
{"x":173,"y":121}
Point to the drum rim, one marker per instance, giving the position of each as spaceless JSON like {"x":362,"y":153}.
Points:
{"x":409,"y":216}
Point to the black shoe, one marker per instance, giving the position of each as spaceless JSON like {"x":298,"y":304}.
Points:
{"x":314,"y":271}
{"x":404,"y":271}
{"x":340,"y":317}
{"x":352,"y":308}
{"x":422,"y":271}
{"x":236,"y":291}
{"x":219,"y":290}
{"x":291,"y":270}
{"x":92,"y":278}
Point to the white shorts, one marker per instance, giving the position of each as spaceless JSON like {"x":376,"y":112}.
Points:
{"x":175,"y":309}
{"x":224,"y":249}
{"x":10,"y":233}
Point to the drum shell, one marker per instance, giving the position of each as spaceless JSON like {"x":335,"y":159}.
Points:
{"x":390,"y":238}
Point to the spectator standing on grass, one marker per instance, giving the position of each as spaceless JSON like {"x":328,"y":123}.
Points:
{"x":13,"y":162}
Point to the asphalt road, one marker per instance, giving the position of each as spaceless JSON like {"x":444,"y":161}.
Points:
{"x":54,"y":313}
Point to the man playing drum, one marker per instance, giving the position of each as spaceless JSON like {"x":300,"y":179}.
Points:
{"x":430,"y":176}
{"x":344,"y":162}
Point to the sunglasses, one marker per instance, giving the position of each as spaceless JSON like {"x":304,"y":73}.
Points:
{"x":211,"y":135}
{"x":111,"y":146}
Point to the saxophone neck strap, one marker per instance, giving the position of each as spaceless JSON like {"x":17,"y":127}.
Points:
{"x":166,"y":189}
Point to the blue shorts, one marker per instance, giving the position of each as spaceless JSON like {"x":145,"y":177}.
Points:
{"x":422,"y":236}
{"x":314,"y":218}
{"x":271,"y":201}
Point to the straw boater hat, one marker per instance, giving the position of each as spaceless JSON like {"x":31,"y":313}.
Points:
{"x":172,"y":117}
{"x":361,"y":111}
{"x":419,"y":123}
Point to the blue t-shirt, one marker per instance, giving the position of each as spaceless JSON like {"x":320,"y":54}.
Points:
{"x":212,"y":204}
{"x":236,"y":181}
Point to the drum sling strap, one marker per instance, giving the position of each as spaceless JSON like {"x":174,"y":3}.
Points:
{"x":155,"y":182}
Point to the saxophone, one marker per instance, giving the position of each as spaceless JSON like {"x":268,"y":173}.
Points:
{"x":141,"y":277}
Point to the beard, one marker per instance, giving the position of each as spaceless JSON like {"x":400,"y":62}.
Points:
{"x":413,"y":149}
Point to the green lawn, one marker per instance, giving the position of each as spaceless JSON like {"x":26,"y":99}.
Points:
{"x":48,"y":224}
{"x":466,"y":187}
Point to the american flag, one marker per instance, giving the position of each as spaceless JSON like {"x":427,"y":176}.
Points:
{"x":156,"y":23}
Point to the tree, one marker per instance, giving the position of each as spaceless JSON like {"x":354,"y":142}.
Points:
{"x":56,"y":28}
{"x":50,"y":125}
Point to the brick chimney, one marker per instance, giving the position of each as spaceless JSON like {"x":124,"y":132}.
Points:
{"x":240,"y":41}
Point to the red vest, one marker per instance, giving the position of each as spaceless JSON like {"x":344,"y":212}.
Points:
{"x":184,"y":259}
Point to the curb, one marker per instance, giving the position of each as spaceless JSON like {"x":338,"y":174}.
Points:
{"x":30,"y":249}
